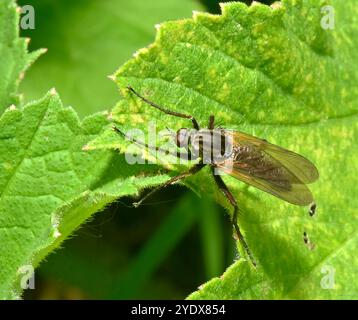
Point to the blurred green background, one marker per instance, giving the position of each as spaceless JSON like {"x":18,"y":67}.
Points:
{"x":176,"y":241}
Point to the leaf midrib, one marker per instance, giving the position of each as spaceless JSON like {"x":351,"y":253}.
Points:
{"x":24,"y":155}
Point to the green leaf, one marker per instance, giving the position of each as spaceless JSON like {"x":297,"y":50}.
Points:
{"x":273,"y":72}
{"x":14,"y":58}
{"x":49,"y":186}
{"x":86,"y":41}
{"x":212,"y":238}
{"x":173,"y":228}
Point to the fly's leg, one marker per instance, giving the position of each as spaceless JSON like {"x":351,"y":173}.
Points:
{"x":211,"y":127}
{"x":172,"y":113}
{"x":196,"y":168}
{"x":211,"y":122}
{"x":182,"y":155}
{"x":223,"y":187}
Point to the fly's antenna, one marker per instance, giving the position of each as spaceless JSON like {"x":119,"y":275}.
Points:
{"x":167,"y":111}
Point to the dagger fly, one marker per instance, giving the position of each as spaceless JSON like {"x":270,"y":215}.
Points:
{"x":268,"y":167}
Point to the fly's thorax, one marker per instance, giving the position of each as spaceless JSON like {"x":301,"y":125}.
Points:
{"x":212,"y":146}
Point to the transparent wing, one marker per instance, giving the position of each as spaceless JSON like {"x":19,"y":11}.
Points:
{"x":271,"y":168}
{"x":298,"y":194}
{"x":298,"y":165}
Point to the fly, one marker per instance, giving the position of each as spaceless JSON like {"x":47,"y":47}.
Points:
{"x":255,"y":161}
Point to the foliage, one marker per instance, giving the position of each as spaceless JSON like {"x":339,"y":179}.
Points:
{"x":268,"y":71}
{"x":14,"y":56}
{"x":272,"y":72}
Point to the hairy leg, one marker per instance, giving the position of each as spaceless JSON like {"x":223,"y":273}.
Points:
{"x":223,"y":187}
{"x":172,"y":113}
{"x":182,"y":155}
{"x":196,"y":168}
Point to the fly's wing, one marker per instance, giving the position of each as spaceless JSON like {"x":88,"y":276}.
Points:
{"x":270,"y":168}
{"x":302,"y":168}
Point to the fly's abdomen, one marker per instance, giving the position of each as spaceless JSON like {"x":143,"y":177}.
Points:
{"x":255,"y":163}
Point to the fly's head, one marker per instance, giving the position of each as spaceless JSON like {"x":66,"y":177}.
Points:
{"x":183,"y":138}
